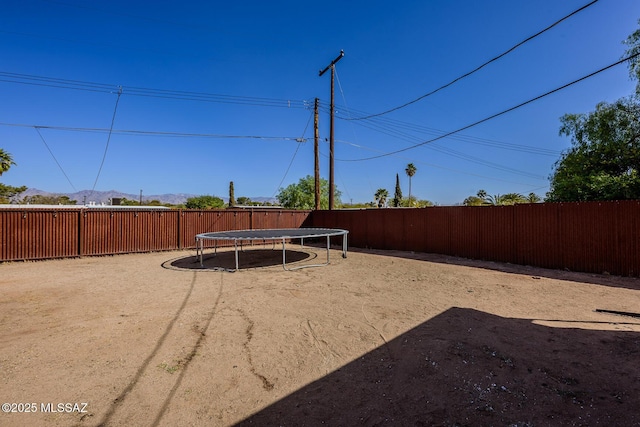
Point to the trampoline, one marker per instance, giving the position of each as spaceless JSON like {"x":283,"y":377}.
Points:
{"x":271,"y":235}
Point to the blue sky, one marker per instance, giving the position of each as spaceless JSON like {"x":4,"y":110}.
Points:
{"x":229,"y":87}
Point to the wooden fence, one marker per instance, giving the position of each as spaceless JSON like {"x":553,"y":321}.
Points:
{"x":592,"y":237}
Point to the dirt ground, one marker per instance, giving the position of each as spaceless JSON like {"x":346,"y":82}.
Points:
{"x":379,"y":338}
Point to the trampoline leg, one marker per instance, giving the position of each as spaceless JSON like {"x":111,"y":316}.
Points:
{"x":344,"y":245}
{"x":328,"y":246}
{"x":284,"y":255}
{"x":235,"y":244}
{"x":199,"y":251}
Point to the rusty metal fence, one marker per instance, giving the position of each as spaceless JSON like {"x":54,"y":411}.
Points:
{"x":32,"y":234}
{"x":591,"y":237}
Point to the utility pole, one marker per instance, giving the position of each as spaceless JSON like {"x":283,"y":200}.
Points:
{"x":331,"y":141}
{"x":316,"y":153}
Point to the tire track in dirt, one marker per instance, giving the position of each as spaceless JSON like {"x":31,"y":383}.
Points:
{"x":266,"y":384}
{"x":119,"y":408}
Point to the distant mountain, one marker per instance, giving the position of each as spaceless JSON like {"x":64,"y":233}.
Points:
{"x":99,"y":197}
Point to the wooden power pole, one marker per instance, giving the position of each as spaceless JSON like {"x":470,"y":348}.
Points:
{"x":316,"y":153}
{"x":331,"y":141}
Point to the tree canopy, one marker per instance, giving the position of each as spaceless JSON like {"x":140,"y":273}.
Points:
{"x":302,"y":194}
{"x":6,"y":161}
{"x":603,"y":162}
{"x":7,"y":192}
{"x":484,"y":199}
{"x":204,"y":202}
{"x":381,"y":197}
{"x":397,"y":195}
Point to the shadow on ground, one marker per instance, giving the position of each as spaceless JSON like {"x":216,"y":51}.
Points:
{"x":247,"y":259}
{"x":465,"y":367}
{"x":574,"y":276}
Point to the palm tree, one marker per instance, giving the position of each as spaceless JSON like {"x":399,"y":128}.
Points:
{"x":410,"y":171}
{"x":533,"y":198}
{"x":381,"y":197}
{"x":5,"y":161}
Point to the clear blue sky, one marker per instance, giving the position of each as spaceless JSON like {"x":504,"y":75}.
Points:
{"x":254,"y":66}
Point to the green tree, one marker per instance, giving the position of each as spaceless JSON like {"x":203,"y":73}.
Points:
{"x":244,"y":201}
{"x":603,"y":162}
{"x":381,"y":197}
{"x":397,"y":195}
{"x":204,"y":202}
{"x":533,"y":198}
{"x":511,"y":199}
{"x":483,"y":199}
{"x":39,"y":199}
{"x":414,"y":202}
{"x":410,"y":171}
{"x":6,"y":161}
{"x":633,"y":43}
{"x":232,"y":195}
{"x":302,"y":194}
{"x":480,"y":199}
{"x":9,"y":193}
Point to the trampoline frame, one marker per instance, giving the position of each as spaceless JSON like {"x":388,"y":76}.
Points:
{"x":271,"y":235}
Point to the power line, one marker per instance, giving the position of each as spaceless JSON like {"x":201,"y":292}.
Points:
{"x":436,"y":166}
{"x":106,"y":148}
{"x":400,"y":130}
{"x":497,"y":114}
{"x":481,"y":66}
{"x":54,"y":158}
{"x":155,"y":133}
{"x":300,"y":141}
{"x":35,"y":80}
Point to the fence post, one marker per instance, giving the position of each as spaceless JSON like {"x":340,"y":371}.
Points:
{"x":179,"y":228}
{"x":80,"y":233}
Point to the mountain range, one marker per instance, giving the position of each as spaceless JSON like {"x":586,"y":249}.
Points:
{"x":100,"y":197}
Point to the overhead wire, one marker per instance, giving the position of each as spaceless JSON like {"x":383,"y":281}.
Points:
{"x":300,"y":141}
{"x":457,"y":79}
{"x":54,"y":158}
{"x":106,"y":148}
{"x":153,"y":133}
{"x":493,"y":116}
{"x":35,"y":80}
{"x":433,"y":165}
{"x":392,"y":127}
{"x":444,"y":150}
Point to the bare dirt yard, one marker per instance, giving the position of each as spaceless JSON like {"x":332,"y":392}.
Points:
{"x":378,"y":338}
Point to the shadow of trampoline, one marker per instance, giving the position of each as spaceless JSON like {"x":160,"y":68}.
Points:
{"x":247,"y":259}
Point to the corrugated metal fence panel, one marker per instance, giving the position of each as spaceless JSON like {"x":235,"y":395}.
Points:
{"x":536,"y":230}
{"x":437,"y":230}
{"x":463,"y":231}
{"x":119,"y":231}
{"x":495,"y":233}
{"x":629,"y":238}
{"x":600,"y":241}
{"x":415,"y":231}
{"x":284,"y":219}
{"x":38,"y":234}
{"x":208,"y":221}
